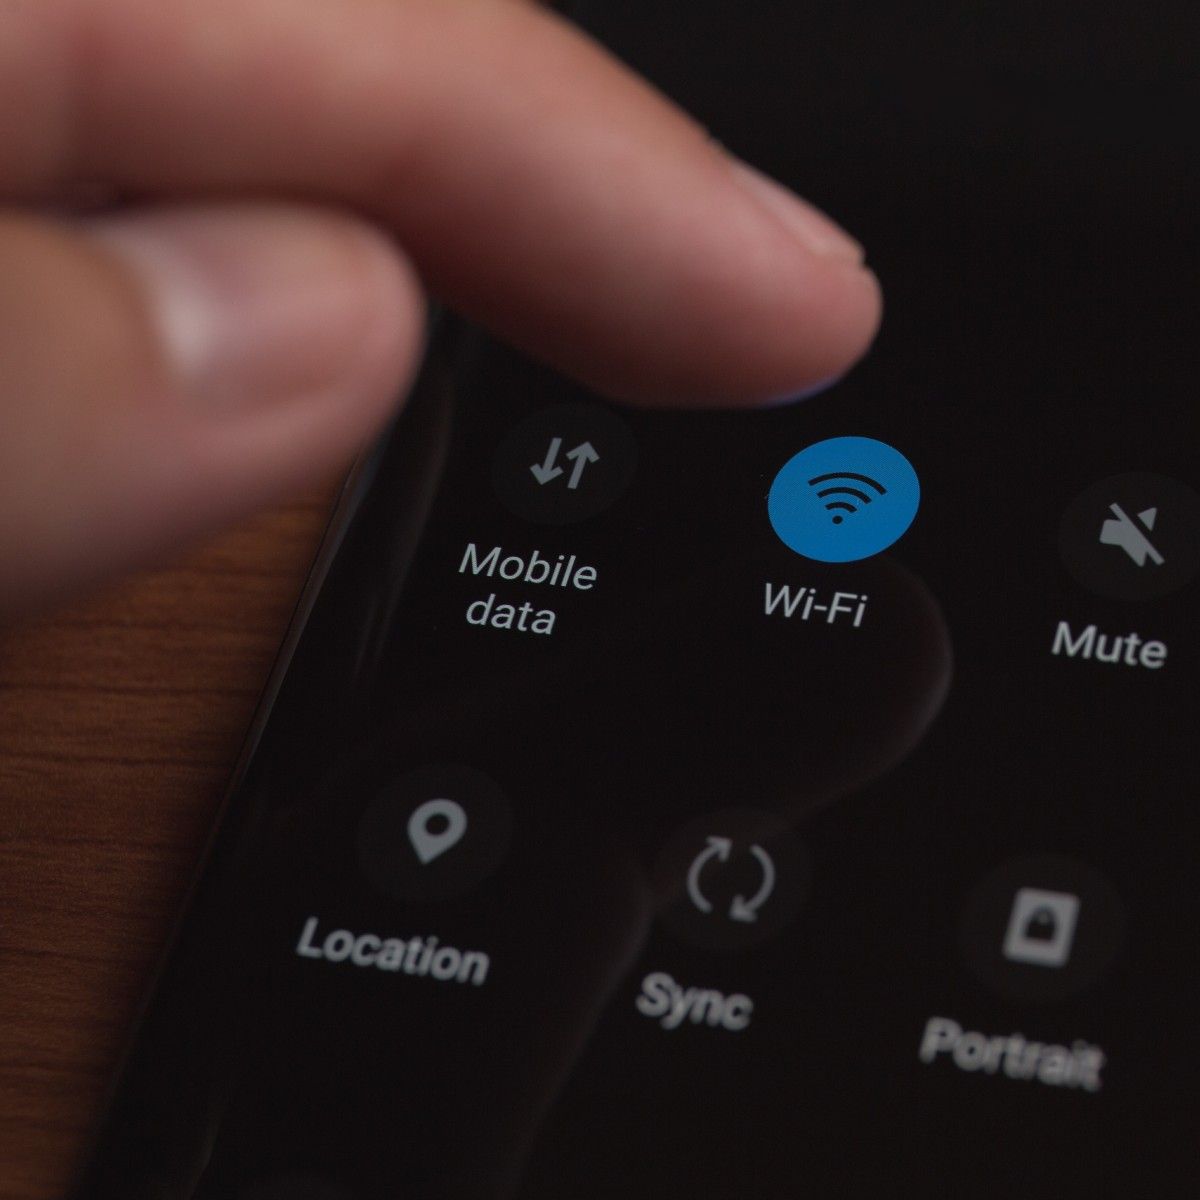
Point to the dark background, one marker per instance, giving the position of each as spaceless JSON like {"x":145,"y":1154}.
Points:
{"x":1027,"y":192}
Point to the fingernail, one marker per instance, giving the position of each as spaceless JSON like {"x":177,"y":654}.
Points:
{"x":806,"y":222}
{"x":255,"y":306}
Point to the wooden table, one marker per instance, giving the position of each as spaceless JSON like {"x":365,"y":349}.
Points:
{"x":120,"y":720}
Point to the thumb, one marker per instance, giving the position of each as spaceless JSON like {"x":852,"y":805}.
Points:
{"x":167,"y":370}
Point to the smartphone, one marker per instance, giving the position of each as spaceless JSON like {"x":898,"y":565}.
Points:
{"x":774,"y":804}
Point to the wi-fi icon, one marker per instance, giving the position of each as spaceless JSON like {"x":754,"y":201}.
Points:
{"x":843,"y":495}
{"x":815,"y":478}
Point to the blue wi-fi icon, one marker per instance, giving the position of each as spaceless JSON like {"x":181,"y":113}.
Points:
{"x":842,"y":491}
{"x":843,"y":499}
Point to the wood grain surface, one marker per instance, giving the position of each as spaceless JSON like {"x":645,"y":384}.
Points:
{"x":120,"y":721}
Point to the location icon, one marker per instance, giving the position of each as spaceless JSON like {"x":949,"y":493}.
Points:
{"x":434,"y":833}
{"x":435,"y":827}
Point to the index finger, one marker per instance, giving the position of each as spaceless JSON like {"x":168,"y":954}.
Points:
{"x":540,"y":187}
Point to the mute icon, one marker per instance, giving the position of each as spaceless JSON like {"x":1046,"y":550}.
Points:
{"x":1132,"y":535}
{"x":1153,"y":520}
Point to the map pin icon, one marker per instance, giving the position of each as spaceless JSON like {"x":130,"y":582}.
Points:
{"x":430,"y":843}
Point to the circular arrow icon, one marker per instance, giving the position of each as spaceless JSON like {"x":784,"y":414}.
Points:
{"x":732,"y":878}
{"x":741,"y":909}
{"x":719,"y":849}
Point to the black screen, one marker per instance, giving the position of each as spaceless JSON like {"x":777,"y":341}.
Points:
{"x":639,"y":817}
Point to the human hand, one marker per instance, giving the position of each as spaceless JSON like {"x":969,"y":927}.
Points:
{"x":287,"y":178}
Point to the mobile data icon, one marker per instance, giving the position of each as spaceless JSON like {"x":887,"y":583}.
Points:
{"x":843,"y":499}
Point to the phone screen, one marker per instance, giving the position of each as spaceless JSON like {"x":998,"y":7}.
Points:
{"x":798,"y":802}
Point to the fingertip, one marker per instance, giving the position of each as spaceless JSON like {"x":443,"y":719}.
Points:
{"x":290,"y":335}
{"x":848,"y":325}
{"x":796,"y":306}
{"x":253,"y":305}
{"x":208,"y":359}
{"x":778,"y":330}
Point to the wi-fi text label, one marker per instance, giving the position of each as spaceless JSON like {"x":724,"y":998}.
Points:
{"x":811,"y":604}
